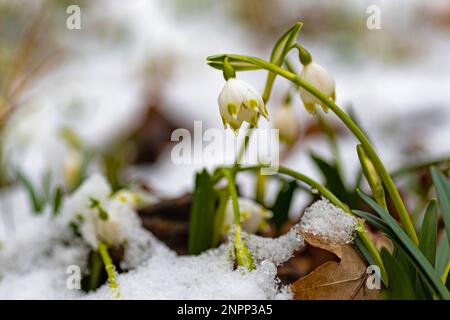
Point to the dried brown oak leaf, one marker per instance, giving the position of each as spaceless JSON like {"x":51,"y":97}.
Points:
{"x":343,"y":280}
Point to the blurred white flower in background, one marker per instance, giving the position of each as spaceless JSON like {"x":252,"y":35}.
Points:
{"x":239,"y":102}
{"x":253,"y":216}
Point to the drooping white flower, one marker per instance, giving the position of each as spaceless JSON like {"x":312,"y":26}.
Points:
{"x":239,"y":102}
{"x":318,"y":77}
{"x":285,"y":120}
{"x":253,"y":216}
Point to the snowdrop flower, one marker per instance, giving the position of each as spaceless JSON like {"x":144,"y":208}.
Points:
{"x":239,"y":102}
{"x":318,"y":77}
{"x":285,"y":120}
{"x":94,"y":215}
{"x":253,"y":216}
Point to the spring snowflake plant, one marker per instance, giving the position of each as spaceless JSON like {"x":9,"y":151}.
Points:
{"x":239,"y":102}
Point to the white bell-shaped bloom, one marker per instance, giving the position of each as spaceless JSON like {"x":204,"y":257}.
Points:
{"x":253,"y":216}
{"x":319,"y":78}
{"x":239,"y":102}
{"x":287,"y":123}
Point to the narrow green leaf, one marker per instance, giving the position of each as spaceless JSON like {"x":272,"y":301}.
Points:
{"x":223,"y":196}
{"x":284,"y":43}
{"x":35,"y":200}
{"x":422,"y":262}
{"x":282,"y":204}
{"x":57,"y":200}
{"x":428,"y":233}
{"x":334,"y":181}
{"x":201,"y":226}
{"x":442,"y":255}
{"x":400,"y":287}
{"x":442,"y":186}
{"x":81,"y":175}
{"x":376,"y":222}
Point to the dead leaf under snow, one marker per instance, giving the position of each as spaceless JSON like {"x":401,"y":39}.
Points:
{"x":343,"y":280}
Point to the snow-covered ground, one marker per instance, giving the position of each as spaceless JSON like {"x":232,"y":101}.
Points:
{"x":98,"y":91}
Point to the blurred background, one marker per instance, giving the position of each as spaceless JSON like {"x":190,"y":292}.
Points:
{"x":108,"y":96}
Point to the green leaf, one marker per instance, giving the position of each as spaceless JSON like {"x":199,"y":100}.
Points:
{"x":442,"y":186}
{"x":57,"y":200}
{"x":282,"y":204}
{"x":81,"y":175}
{"x":334,"y":180}
{"x":442,"y":255}
{"x":423,"y":265}
{"x":36,"y":201}
{"x":284,"y":43}
{"x":428,"y":233}
{"x":223,"y":196}
{"x":375,"y":221}
{"x":400,"y":287}
{"x":201,"y":226}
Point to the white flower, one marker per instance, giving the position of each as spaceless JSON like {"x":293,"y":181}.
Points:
{"x":318,"y":77}
{"x":239,"y":102}
{"x":253,"y":216}
{"x":285,"y":120}
{"x":96,"y":216}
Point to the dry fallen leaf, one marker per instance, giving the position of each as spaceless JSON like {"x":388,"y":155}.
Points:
{"x":343,"y":280}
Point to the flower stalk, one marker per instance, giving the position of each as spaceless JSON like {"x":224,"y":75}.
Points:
{"x":216,"y":62}
{"x":110,"y":269}
{"x":243,"y":255}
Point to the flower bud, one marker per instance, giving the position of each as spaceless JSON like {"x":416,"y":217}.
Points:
{"x":319,"y":78}
{"x":239,"y":102}
{"x":285,"y":120}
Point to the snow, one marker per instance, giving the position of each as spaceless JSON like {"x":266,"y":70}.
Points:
{"x":34,"y":261}
{"x":207,"y":276}
{"x":277,"y":250}
{"x":328,"y":222}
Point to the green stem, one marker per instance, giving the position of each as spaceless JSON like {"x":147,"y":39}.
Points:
{"x":110,"y":269}
{"x":234,"y":197}
{"x":243,"y":255}
{"x":362,"y":232}
{"x":370,"y":151}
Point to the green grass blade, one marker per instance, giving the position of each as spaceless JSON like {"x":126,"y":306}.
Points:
{"x":375,"y":221}
{"x":442,"y":186}
{"x":422,"y":262}
{"x":35,"y":200}
{"x":428,"y":233}
{"x":201,"y":226}
{"x":282,"y":204}
{"x":442,"y":255}
{"x":400,"y":287}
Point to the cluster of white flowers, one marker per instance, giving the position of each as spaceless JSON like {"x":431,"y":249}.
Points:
{"x":239,"y":102}
{"x":100,"y":216}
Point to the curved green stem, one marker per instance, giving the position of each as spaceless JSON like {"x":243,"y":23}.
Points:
{"x":234,"y":197}
{"x":370,"y":151}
